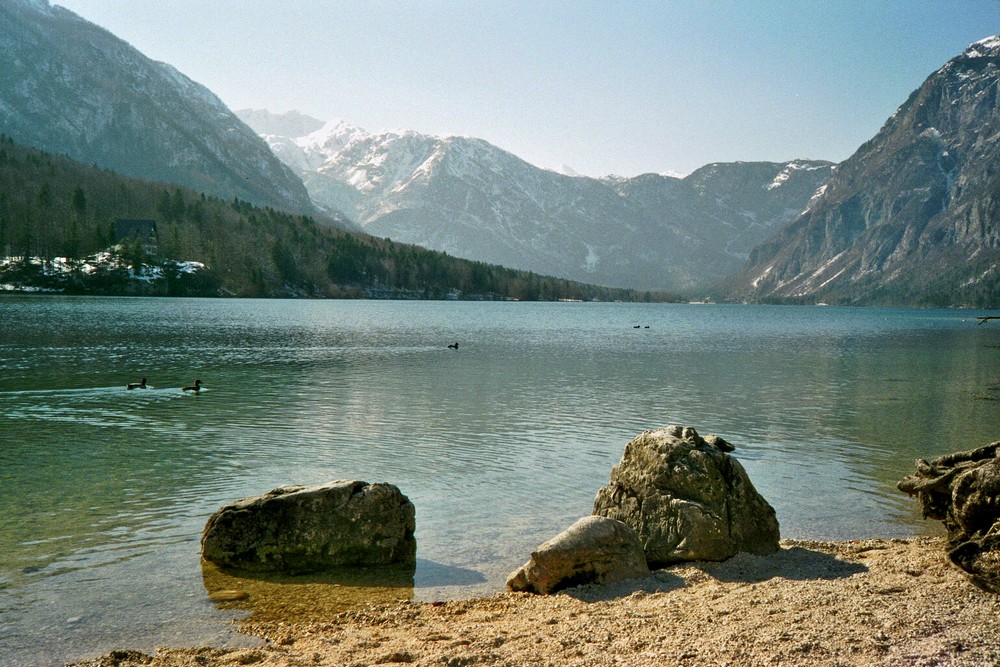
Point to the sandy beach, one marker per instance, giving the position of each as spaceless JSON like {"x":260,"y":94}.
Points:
{"x":894,"y":602}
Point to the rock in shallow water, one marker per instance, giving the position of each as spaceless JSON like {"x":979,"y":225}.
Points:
{"x":303,"y":529}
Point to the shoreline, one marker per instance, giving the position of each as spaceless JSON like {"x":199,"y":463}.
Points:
{"x":869,"y":602}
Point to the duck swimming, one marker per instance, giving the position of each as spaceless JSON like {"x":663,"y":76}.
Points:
{"x":196,"y":387}
{"x":454,"y":346}
{"x":136,"y":385}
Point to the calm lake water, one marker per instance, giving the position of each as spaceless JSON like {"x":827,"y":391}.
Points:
{"x":500,"y":444}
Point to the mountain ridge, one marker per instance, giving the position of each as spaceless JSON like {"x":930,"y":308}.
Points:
{"x":469,"y":198}
{"x":71,"y":87}
{"x":912,"y":217}
{"x":60,"y":232}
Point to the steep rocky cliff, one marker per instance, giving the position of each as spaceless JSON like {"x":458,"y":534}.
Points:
{"x":913,"y":217}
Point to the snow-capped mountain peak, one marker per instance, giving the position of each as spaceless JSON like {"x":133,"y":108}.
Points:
{"x":331,"y":138}
{"x":989,"y":46}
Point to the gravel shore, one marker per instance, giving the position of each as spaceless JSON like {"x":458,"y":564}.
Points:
{"x":894,"y":602}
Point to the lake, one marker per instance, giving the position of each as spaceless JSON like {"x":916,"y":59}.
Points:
{"x":500,"y":444}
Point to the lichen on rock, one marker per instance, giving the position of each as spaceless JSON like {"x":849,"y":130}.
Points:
{"x":687,"y":498}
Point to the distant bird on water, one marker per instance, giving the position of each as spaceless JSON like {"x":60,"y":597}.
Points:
{"x":196,"y":387}
{"x":136,"y":385}
{"x":454,"y":346}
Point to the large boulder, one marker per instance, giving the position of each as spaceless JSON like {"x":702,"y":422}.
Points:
{"x":309,"y":528}
{"x":594,"y":550}
{"x":687,"y":499}
{"x":962,"y":490}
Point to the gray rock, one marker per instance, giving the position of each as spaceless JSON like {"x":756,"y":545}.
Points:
{"x":687,"y":499}
{"x":301,"y":529}
{"x":594,"y":550}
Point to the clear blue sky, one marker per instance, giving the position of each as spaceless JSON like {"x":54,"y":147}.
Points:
{"x":604,"y":87}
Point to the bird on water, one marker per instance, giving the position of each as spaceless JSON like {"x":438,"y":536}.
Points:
{"x":454,"y":346}
{"x":136,"y":385}
{"x":196,"y":387}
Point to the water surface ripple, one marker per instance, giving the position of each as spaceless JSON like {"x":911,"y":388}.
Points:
{"x":500,"y":444}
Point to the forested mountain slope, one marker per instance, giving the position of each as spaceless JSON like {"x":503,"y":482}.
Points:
{"x":58,"y":223}
{"x":70,"y":87}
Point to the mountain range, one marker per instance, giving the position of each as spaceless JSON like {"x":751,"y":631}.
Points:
{"x":910,"y":219}
{"x":472,"y":199}
{"x":70,"y":87}
{"x":913,"y":217}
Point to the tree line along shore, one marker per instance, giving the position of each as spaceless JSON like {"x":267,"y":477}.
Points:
{"x":58,"y":233}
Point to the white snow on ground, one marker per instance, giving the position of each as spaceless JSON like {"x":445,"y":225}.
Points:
{"x":107,"y":259}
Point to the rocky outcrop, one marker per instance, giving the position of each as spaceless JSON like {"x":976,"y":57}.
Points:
{"x":594,"y":550}
{"x":687,"y":499}
{"x":963,"y":490}
{"x":301,"y":529}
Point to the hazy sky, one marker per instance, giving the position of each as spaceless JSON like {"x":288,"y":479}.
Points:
{"x":604,"y":87}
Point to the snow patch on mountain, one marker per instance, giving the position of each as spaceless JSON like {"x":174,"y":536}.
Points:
{"x":330,"y":138}
{"x":786,"y":173}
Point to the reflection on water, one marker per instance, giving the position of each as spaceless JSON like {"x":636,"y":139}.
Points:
{"x":499,"y":444}
{"x":303,"y":598}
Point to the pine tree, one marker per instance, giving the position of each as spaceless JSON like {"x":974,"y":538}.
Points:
{"x":79,"y":202}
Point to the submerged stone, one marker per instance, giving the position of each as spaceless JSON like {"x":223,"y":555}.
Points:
{"x":303,"y":529}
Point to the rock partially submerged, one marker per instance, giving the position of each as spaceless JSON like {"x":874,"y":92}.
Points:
{"x":687,"y":499}
{"x":594,"y":550}
{"x":302,"y":529}
{"x":963,"y":491}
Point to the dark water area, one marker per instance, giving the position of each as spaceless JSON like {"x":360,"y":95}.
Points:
{"x":500,"y":444}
